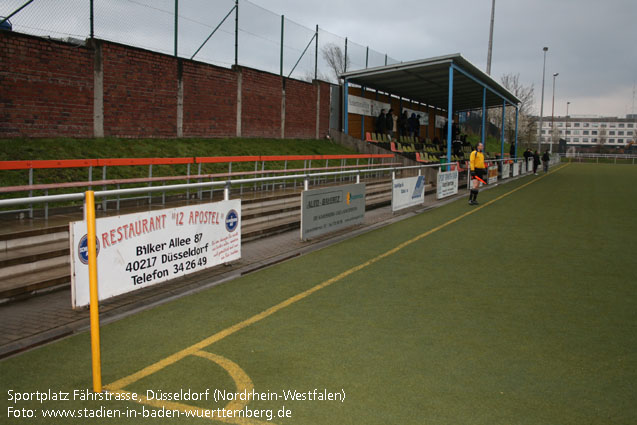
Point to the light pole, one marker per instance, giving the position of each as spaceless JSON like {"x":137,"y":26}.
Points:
{"x":539,"y":138}
{"x":553,"y":114}
{"x":566,"y":131}
{"x":490,"y":38}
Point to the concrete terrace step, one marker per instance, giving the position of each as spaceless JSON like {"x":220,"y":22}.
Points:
{"x":22,"y":285}
{"x":33,"y":253}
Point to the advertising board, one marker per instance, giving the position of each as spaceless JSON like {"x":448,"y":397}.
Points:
{"x":332,"y":208}
{"x":407,"y":192}
{"x":142,"y":249}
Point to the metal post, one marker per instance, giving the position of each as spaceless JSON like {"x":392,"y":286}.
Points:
{"x":490,"y":38}
{"x":316,"y":54}
{"x":504,"y":110}
{"x":282,"y":30}
{"x":104,"y":188}
{"x":553,"y":113}
{"x":176,"y":25}
{"x":345,"y":101}
{"x":92,"y":20}
{"x":89,"y":207}
{"x":345,"y":64}
{"x":236,"y":32}
{"x":150,"y":183}
{"x":539,"y":139}
{"x":450,"y":113}
{"x":30,"y":192}
{"x":517,"y":113}
{"x":484,"y":118}
{"x":188,"y":180}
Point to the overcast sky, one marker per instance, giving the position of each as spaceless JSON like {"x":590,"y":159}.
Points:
{"x":592,"y":44}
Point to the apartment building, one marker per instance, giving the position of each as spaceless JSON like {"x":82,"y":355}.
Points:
{"x":588,"y":130}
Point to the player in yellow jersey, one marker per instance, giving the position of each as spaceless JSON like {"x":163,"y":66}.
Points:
{"x":478,"y":173}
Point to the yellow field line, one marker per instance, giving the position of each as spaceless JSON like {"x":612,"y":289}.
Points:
{"x":193,"y":349}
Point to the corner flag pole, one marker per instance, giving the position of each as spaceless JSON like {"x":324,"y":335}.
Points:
{"x":89,"y":206}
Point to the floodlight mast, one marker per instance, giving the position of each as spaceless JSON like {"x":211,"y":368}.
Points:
{"x":539,"y":137}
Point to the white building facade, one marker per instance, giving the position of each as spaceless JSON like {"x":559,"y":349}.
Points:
{"x":588,"y":131}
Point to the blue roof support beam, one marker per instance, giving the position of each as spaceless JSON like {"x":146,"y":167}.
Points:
{"x":517,"y":114}
{"x":484,"y":116}
{"x":486,"y":87}
{"x":450,"y":113}
{"x":504,"y":111}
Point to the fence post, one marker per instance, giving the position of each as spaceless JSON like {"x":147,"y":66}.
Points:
{"x":316,"y":55}
{"x":92,"y":20}
{"x":236,"y":32}
{"x":176,"y":25}
{"x":282,"y":30}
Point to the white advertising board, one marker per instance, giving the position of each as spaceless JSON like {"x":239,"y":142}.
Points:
{"x":142,"y":249}
{"x":516,"y":169}
{"x":492,"y":174}
{"x":362,"y":106}
{"x":332,"y":208}
{"x":447,"y":184}
{"x":407,"y":192}
{"x":424,"y":116}
{"x":506,"y":171}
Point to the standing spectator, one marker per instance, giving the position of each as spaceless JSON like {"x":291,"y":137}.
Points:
{"x":478,"y":173}
{"x":512,"y":151}
{"x":527,"y":154}
{"x":417,"y":127}
{"x":536,"y":162}
{"x":402,"y":125}
{"x":413,"y":125}
{"x":455,"y":130}
{"x":381,"y":123}
{"x":405,"y":129}
{"x":390,"y":123}
{"x":545,"y":161}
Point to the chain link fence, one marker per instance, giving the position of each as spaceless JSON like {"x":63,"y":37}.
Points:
{"x":198,"y":29}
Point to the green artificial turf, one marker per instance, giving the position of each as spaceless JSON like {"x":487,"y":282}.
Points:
{"x":522,"y":312}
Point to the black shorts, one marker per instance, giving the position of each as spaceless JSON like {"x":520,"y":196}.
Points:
{"x":479,"y":172}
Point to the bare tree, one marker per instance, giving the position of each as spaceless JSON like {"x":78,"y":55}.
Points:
{"x":526,"y":120}
{"x":336,"y":59}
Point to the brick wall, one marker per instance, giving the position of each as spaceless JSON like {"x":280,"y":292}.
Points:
{"x":300,"y":110}
{"x":260,"y":104}
{"x":46,"y":88}
{"x":140,"y":92}
{"x":210,"y":100}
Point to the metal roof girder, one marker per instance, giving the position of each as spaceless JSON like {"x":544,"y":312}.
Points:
{"x":466,"y":74}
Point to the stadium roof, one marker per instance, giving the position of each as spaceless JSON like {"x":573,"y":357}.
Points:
{"x":428,"y":81}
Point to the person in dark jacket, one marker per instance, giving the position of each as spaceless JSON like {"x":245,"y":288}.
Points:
{"x":414,"y":123}
{"x":402,"y":125}
{"x":536,"y":162}
{"x":381,"y":123}
{"x":545,"y":161}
